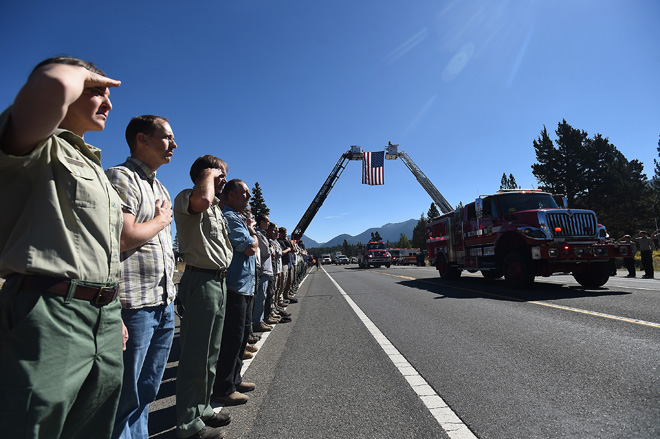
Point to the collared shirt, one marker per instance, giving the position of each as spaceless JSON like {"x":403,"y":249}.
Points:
{"x":286,"y":257}
{"x":265,"y":266}
{"x":148,"y":269}
{"x":61,"y":216}
{"x":203,"y":237}
{"x":277,"y":260}
{"x":241,"y":272}
{"x":645,"y":243}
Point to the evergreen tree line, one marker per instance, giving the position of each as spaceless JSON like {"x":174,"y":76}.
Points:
{"x":593,"y":174}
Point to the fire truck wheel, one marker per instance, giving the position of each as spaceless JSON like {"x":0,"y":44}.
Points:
{"x":447,"y":272}
{"x":518,"y":270}
{"x":595,"y":275}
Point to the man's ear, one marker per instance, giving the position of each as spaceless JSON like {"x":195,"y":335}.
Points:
{"x":142,"y":139}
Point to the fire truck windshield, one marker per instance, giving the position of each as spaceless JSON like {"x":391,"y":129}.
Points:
{"x":514,"y":202}
{"x":376,"y":245}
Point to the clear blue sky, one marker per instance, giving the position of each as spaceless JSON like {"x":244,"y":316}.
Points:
{"x":280,"y":89}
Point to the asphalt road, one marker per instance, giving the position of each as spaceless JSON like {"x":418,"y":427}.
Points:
{"x":398,"y":352}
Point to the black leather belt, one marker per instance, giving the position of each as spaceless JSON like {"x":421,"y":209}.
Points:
{"x":212,"y":271}
{"x":99,"y":295}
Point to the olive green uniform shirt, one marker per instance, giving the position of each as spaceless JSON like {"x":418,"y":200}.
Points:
{"x":203,"y":237}
{"x":60,"y":217}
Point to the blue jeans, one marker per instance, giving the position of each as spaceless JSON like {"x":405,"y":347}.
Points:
{"x":150,"y":333}
{"x":260,"y":299}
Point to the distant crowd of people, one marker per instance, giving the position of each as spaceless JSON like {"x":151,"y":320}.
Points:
{"x":87,"y":309}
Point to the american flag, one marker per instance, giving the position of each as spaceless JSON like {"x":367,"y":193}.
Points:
{"x":373,"y":168}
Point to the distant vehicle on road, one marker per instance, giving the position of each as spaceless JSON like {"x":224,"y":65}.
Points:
{"x":404,"y":256}
{"x":374,"y":254}
{"x":326,"y":258}
{"x":341,"y":260}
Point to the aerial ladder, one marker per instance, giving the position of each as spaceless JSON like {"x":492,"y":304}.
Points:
{"x":392,"y":153}
{"x":355,"y":153}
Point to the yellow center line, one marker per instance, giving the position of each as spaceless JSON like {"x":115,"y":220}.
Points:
{"x":535,"y":302}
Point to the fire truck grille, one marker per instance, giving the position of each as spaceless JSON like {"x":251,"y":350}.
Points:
{"x":575,"y":225}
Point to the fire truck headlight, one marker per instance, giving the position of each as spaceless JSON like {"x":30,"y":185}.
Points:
{"x":533,"y":232}
{"x":553,"y":252}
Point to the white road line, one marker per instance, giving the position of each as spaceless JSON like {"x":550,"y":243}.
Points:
{"x":448,"y":420}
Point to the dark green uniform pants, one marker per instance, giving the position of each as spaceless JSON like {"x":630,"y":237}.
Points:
{"x":60,"y":365}
{"x":204,"y":298}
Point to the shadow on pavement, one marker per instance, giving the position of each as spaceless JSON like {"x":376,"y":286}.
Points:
{"x":474,"y":287}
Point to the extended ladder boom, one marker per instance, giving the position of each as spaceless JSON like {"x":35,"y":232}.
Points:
{"x":429,"y":187}
{"x":317,"y":202}
{"x":355,"y":153}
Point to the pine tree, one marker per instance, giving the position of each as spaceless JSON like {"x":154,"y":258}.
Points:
{"x":508,"y":182}
{"x":594,"y":175}
{"x":504,"y":182}
{"x":560,"y":170}
{"x":257,"y":203}
{"x":404,"y":242}
{"x":419,"y":233}
{"x":433,"y":211}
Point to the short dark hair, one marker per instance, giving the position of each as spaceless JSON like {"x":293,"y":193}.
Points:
{"x":69,"y":60}
{"x":261,"y":217}
{"x":205,"y":162}
{"x":232,"y":186}
{"x":145,"y":124}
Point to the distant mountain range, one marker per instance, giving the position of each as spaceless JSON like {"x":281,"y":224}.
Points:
{"x":389,"y":232}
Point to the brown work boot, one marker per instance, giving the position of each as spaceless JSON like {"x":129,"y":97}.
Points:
{"x":235,"y":398}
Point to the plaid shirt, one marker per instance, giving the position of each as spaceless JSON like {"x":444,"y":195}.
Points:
{"x":148,"y":269}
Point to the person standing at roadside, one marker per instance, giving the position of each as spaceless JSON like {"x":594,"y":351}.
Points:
{"x":229,"y":387}
{"x":264,"y":272}
{"x":276,"y":280}
{"x":60,"y":321}
{"x":646,"y":248}
{"x":204,"y":242}
{"x":287,"y":269}
{"x":629,"y":261}
{"x":146,"y":288}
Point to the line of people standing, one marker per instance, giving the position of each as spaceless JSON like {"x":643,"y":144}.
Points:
{"x":86,"y":311}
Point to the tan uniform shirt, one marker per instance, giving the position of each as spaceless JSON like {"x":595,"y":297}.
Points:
{"x":60,"y":217}
{"x":203,"y":237}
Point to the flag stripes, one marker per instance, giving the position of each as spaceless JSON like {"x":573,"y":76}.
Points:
{"x":373,"y":168}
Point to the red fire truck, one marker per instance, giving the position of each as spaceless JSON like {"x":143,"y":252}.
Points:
{"x":520,"y":234}
{"x":374,"y":254}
